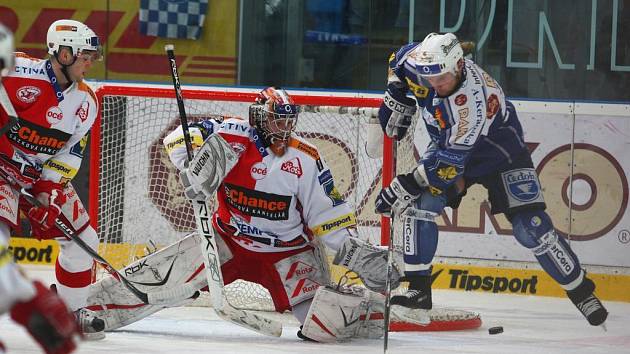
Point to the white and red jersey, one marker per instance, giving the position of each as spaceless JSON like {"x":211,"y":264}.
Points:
{"x":271,"y":203}
{"x":47,"y":141}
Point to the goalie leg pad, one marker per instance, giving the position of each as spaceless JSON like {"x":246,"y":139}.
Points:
{"x":170,"y":267}
{"x":368,"y":261}
{"x":340,"y":316}
{"x":301,"y":274}
{"x":214,"y":160}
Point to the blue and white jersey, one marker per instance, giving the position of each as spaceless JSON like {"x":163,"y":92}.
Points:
{"x":472,"y":131}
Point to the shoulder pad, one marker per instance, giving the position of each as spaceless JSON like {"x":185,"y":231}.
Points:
{"x":234,"y":126}
{"x":82,"y":86}
{"x":305,"y":147}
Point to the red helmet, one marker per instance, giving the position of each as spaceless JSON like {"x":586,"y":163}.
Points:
{"x":275,"y":114}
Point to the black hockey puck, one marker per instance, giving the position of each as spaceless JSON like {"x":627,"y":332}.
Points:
{"x":495,"y":330}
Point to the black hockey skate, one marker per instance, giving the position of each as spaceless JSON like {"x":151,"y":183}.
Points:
{"x":302,"y":336}
{"x":588,"y":304}
{"x":418,"y":296}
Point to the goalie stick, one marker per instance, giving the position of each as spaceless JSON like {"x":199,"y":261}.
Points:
{"x":163,"y":297}
{"x":209,"y":250}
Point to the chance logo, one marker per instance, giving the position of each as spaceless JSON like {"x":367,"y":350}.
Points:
{"x":256,"y":203}
{"x":259,"y":171}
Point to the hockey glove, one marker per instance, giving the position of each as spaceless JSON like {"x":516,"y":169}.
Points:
{"x":43,"y":217}
{"x":395,"y":115}
{"x":48,"y":320}
{"x":403,"y":190}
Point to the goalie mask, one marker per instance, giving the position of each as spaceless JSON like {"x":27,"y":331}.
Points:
{"x":274,"y":114}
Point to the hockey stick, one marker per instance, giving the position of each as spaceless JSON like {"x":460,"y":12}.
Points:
{"x":164,"y":297}
{"x":8,"y":107}
{"x":209,"y":250}
{"x":390,"y":261}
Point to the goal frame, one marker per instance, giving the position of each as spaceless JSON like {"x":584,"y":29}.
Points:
{"x":227,"y":94}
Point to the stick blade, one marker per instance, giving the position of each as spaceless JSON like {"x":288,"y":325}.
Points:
{"x":251,"y":321}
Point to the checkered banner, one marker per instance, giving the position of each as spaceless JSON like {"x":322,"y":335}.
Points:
{"x":172,"y":18}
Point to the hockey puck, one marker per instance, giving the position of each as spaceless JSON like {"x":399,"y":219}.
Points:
{"x":495,"y":330}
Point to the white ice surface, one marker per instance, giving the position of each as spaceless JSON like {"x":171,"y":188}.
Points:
{"x":531,"y":324}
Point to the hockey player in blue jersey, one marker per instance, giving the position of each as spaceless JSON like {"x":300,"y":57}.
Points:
{"x":476,"y":138}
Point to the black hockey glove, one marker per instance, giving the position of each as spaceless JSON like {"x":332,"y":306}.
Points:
{"x":403,"y":190}
{"x":395,"y":114}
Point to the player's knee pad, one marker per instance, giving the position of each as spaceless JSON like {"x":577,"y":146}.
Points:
{"x":530,"y":227}
{"x":420,"y":233}
{"x":534,"y":230}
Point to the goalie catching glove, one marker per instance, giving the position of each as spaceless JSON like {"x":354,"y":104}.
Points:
{"x":208,"y":168}
{"x":395,"y":114}
{"x":368,"y":261}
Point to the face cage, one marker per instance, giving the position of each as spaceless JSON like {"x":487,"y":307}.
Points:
{"x":278,"y":126}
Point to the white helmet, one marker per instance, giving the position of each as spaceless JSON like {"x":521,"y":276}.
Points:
{"x":438,"y":54}
{"x":6,"y":49}
{"x":73,"y":34}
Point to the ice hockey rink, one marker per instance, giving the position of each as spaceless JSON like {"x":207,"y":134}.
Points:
{"x":531,"y":324}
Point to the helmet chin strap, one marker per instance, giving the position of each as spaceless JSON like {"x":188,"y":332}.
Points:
{"x":64,"y":67}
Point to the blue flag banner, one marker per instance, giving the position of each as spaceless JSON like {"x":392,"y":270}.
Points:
{"x":172,"y":18}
